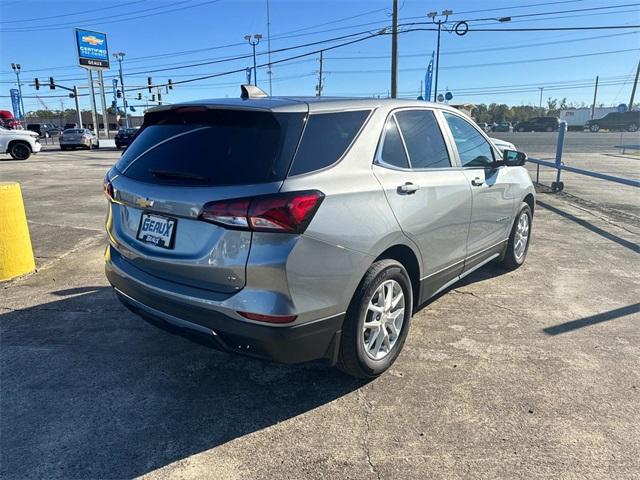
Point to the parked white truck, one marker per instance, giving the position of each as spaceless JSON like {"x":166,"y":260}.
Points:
{"x":576,"y":118}
{"x":20,"y":144}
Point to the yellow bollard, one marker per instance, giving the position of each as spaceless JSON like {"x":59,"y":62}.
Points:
{"x":16,"y":255}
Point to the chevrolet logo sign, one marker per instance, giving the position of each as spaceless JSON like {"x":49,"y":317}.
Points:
{"x":92,"y":40}
{"x":144,"y":202}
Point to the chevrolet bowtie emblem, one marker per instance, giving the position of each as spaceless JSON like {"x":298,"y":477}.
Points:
{"x":144,"y":202}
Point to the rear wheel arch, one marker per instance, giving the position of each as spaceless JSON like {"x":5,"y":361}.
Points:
{"x":529,"y":200}
{"x":409,"y":260}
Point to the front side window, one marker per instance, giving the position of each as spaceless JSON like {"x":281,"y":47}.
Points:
{"x":423,"y":138}
{"x":473,"y":148}
{"x":393,"y":152}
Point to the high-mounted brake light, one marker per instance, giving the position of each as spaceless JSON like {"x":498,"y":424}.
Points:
{"x":289,"y":212}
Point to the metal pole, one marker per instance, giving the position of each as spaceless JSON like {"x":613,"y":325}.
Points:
{"x":105,"y":114}
{"x":124,"y":97}
{"x":269,"y":46}
{"x":633,"y":90}
{"x":595,"y":95}
{"x":78,"y":111}
{"x":562,"y":128}
{"x":435,"y":92}
{"x":541,"y":89}
{"x":92,"y":95}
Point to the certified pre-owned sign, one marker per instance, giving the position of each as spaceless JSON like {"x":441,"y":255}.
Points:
{"x":92,"y":49}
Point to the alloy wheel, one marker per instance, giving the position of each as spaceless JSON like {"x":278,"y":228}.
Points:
{"x":383,"y":320}
{"x":522,"y":236}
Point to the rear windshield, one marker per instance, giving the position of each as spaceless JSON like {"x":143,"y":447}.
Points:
{"x":213,"y":147}
{"x":73,"y":131}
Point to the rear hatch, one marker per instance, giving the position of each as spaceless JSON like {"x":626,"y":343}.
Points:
{"x":182,"y":159}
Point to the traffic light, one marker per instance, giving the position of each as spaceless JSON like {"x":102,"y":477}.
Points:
{"x":52,"y":84}
{"x":169,"y":84}
{"x":149,"y":83}
{"x":159,"y":97}
{"x":139,"y":96}
{"x":118,"y":94}
{"x":153,"y":98}
{"x":37,"y":82}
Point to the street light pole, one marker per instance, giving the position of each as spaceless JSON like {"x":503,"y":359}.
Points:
{"x":120,"y":56}
{"x":254,"y":41}
{"x":16,"y":69}
{"x":432,"y":16}
{"x":541,"y":90}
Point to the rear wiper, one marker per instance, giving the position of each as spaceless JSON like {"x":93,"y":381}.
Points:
{"x":177,"y":175}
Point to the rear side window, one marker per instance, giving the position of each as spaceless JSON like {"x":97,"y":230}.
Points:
{"x":326,"y":137}
{"x":423,"y":139}
{"x":213,"y":147}
{"x":393,"y":152}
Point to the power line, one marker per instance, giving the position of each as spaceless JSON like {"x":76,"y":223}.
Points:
{"x":71,"y":14}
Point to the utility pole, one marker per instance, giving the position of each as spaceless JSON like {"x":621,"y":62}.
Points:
{"x":254,"y":42}
{"x":16,"y":69}
{"x":541,"y":90}
{"x":319,"y":87}
{"x":595,"y":96}
{"x":394,"y":51}
{"x":633,"y":89}
{"x":120,"y":56}
{"x":269,"y":72}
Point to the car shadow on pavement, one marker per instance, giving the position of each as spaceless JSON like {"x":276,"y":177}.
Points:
{"x":89,"y":390}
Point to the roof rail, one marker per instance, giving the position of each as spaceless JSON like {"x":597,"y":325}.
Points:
{"x":251,"y":91}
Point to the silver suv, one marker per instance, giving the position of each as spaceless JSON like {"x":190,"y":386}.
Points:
{"x":296,"y":229}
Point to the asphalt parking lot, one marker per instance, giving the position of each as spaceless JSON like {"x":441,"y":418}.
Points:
{"x":527,"y":374}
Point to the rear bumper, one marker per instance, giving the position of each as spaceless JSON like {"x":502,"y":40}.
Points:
{"x":298,"y":343}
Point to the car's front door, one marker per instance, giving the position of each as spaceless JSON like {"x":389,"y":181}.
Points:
{"x":430,"y":198}
{"x":493,"y":189}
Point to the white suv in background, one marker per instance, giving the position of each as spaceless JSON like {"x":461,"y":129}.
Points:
{"x":20,"y":144}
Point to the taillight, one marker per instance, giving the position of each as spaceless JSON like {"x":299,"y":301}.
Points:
{"x":289,"y":212}
{"x":268,"y":318}
{"x":107,"y":188}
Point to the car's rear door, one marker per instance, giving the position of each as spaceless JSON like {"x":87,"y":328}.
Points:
{"x":429,"y":196}
{"x":181,"y":160}
{"x":493,"y":189}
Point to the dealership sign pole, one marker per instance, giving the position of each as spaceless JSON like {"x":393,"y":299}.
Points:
{"x":93,"y":54}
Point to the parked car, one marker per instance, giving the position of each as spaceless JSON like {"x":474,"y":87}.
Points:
{"x":486,"y":127}
{"x":628,"y":121}
{"x":124,"y":136}
{"x":78,"y":138}
{"x":20,"y":144}
{"x":502,"y":145}
{"x":502,"y":127}
{"x":45,"y":130}
{"x":538,"y":124}
{"x":300,"y":229}
{"x":68,"y":126}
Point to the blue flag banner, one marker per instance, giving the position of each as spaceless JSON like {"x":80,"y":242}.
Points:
{"x":15,"y":103}
{"x":427,"y":79}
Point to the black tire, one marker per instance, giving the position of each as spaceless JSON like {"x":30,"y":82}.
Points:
{"x":594,"y":128}
{"x":632,"y":128}
{"x":63,"y":148}
{"x":352,"y":357}
{"x":511,"y":260}
{"x":20,"y":150}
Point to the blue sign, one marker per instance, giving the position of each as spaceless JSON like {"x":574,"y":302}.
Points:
{"x":15,"y":103}
{"x":92,"y":49}
{"x":448,"y":96}
{"x":622,"y":108}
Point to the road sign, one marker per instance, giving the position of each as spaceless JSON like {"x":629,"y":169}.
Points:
{"x":622,"y":108}
{"x":92,"y":49}
{"x":440,"y":97}
{"x":15,"y":103}
{"x":448,"y":96}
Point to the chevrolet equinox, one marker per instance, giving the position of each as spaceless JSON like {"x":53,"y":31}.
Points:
{"x":295,"y":229}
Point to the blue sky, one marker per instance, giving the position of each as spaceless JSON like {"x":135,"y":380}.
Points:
{"x":480,"y":67}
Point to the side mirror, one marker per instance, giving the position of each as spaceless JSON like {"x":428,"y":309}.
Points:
{"x":512,"y":158}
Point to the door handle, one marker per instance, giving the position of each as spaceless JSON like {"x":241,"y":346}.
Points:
{"x":408,"y":188}
{"x":477,"y":182}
